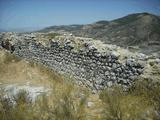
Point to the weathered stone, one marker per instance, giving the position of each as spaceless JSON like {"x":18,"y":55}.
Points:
{"x":130,"y":62}
{"x":109,"y":84}
{"x":114,"y":55}
{"x":107,"y":73}
{"x":87,"y":64}
{"x":114,"y":65}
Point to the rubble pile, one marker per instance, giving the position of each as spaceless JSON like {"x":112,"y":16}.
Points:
{"x":90,"y":66}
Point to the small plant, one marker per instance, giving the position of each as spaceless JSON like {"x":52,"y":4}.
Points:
{"x":67,"y":107}
{"x":141,"y":101}
{"x":111,"y":99}
{"x":52,"y":35}
{"x":22,"y":98}
{"x":148,"y":90}
{"x":17,"y":108}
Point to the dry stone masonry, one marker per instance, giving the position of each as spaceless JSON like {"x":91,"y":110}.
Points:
{"x":87,"y":64}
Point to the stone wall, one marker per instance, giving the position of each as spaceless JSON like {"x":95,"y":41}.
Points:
{"x":90,"y":67}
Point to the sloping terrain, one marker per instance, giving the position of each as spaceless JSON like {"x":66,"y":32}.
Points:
{"x":112,"y":83}
{"x":71,"y":102}
{"x":16,"y":70}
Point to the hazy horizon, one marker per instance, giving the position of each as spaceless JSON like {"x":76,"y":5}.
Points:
{"x":37,"y":14}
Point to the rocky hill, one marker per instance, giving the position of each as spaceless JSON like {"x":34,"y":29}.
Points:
{"x":138,"y":32}
{"x":91,"y":62}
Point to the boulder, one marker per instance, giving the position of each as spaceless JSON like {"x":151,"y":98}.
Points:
{"x":110,"y":84}
{"x":114,"y":55}
{"x":130,"y":62}
{"x":107,"y":73}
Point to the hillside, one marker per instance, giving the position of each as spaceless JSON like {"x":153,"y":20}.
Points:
{"x":29,"y":77}
{"x":78,"y":57}
{"x":139,"y":32}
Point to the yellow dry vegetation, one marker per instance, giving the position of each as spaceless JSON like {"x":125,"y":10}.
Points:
{"x":68,"y":101}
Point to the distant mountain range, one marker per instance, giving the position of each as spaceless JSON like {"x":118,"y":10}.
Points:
{"x":21,"y":30}
{"x":140,"y":31}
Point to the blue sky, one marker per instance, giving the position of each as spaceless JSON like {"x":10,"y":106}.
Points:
{"x":41,"y":13}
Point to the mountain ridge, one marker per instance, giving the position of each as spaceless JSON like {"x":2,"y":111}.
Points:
{"x":140,"y":30}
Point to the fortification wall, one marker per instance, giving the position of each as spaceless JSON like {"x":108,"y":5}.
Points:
{"x":90,"y":67}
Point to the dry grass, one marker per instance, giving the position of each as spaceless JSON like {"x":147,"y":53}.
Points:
{"x":14,"y":70}
{"x":51,"y":36}
{"x":69,"y":102}
{"x":141,"y":102}
{"x":65,"y":102}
